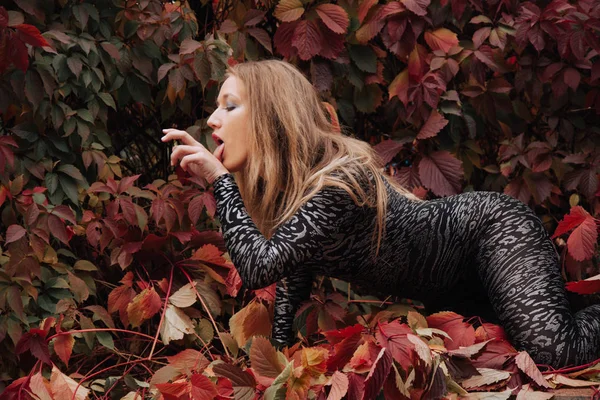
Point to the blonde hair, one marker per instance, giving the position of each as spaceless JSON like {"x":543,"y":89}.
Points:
{"x":295,"y":151}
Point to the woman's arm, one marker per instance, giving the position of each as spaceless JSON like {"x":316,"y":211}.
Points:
{"x":289,"y":294}
{"x":261,"y":262}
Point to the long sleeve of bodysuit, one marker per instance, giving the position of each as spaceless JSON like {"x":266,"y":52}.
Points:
{"x":282,"y":258}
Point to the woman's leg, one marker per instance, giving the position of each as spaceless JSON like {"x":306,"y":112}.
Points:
{"x":519,"y":268}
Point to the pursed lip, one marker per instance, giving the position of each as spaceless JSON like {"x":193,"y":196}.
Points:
{"x":217,"y":139}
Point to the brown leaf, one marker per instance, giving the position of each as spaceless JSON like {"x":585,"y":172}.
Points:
{"x":378,"y":374}
{"x":289,"y":10}
{"x":435,"y":123}
{"x":442,"y":173}
{"x":252,"y":320}
{"x":188,"y":361}
{"x":175,"y":325}
{"x":487,"y":376}
{"x":264,"y":358}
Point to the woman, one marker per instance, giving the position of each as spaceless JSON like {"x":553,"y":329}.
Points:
{"x":305,"y":200}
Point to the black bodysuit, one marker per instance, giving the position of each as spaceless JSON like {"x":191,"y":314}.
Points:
{"x":465,"y":249}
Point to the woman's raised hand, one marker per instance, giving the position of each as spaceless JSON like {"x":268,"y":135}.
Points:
{"x":193,"y":156}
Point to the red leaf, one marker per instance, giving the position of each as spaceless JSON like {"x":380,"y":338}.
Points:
{"x":307,"y":39}
{"x":363,"y":9}
{"x":334,"y":17}
{"x":417,"y":63}
{"x":462,"y":333}
{"x":233,"y":283}
{"x":178,"y":390}
{"x":58,"y":229}
{"x":435,"y":123}
{"x":14,"y":233}
{"x":387,"y":150}
{"x":18,"y":53}
{"x":283,"y":38}
{"x":143,"y":306}
{"x":378,"y":374}
{"x":572,"y":77}
{"x":587,"y":286}
{"x":441,"y":172}
{"x":527,"y":365}
{"x":392,"y":335}
{"x":419,"y":7}
{"x":188,"y":361}
{"x":339,"y":386}
{"x":31,"y":35}
{"x":63,"y":347}
{"x":198,"y":203}
{"x":202,"y":388}
{"x":575,"y":218}
{"x":332,"y":44}
{"x":441,"y":39}
{"x":356,"y":387}
{"x":35,"y":342}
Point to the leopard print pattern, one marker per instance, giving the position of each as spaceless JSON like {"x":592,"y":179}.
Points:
{"x":475,"y":248}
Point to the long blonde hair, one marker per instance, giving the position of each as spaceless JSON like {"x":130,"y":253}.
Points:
{"x":295,"y":152}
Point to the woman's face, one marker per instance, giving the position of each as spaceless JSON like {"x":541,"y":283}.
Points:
{"x":231,"y":125}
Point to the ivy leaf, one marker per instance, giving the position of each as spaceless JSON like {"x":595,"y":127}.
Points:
{"x":399,"y":87}
{"x":527,"y":365}
{"x":252,"y":320}
{"x":35,"y":342}
{"x":334,"y":17}
{"x":14,"y":233}
{"x":461,"y":333}
{"x":31,"y":35}
{"x":188,"y":361}
{"x":419,"y":7}
{"x":283,"y":38}
{"x":587,"y":286}
{"x":63,"y":347}
{"x":175,"y":325}
{"x":486,"y":376}
{"x":264,"y":358}
{"x":289,"y":10}
{"x":392,"y":336}
{"x":261,"y":37}
{"x":377,"y":375}
{"x":143,"y":306}
{"x":79,"y":288}
{"x":441,"y":172}
{"x":435,"y":123}
{"x":184,"y":297}
{"x":75,"y":65}
{"x":64,"y":387}
{"x":417,"y":63}
{"x":364,"y":57}
{"x":582,"y":241}
{"x":339,"y":386}
{"x":189,"y":46}
{"x":307,"y":39}
{"x":441,"y":39}
{"x":202,"y":388}
{"x":244,"y":384}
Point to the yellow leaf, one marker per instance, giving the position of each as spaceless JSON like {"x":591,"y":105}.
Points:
{"x":314,"y":360}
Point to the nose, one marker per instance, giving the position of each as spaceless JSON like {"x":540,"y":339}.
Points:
{"x":213,"y":121}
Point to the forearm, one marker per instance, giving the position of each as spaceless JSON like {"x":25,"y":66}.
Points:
{"x":290,"y":293}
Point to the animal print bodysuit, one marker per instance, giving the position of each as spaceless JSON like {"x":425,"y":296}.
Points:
{"x":459,"y":251}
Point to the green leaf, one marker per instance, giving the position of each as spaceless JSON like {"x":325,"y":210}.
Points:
{"x":75,"y":65}
{"x":34,"y":88}
{"x":364,"y":57}
{"x":83,"y":130}
{"x":72,"y":171}
{"x":106,"y":340}
{"x":130,"y":28}
{"x":85,"y":265}
{"x":81,"y":15}
{"x":51,"y":180}
{"x":85,"y":115}
{"x":69,"y":186}
{"x":92,"y":11}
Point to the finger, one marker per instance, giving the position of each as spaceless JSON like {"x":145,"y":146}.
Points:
{"x":176,"y":134}
{"x":196,"y":158}
{"x":182,"y":150}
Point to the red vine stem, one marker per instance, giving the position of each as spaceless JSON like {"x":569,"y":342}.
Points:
{"x":570,"y":369}
{"x":88,"y":377}
{"x":100,"y":330}
{"x":164,"y":312}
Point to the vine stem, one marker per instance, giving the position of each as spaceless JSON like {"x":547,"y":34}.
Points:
{"x":88,"y":377}
{"x":99,"y":330}
{"x":164,"y":312}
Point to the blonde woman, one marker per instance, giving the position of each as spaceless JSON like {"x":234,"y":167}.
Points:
{"x":296,"y":199}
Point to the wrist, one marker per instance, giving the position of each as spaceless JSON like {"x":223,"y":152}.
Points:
{"x":212,"y":178}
